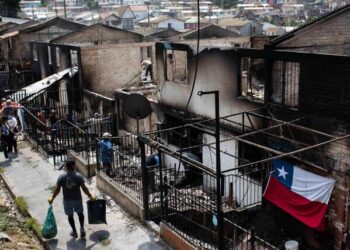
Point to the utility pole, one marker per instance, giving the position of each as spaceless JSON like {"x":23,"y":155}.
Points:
{"x":147,"y":3}
{"x":56,"y":7}
{"x":65,"y":10}
{"x":33,"y":12}
{"x":209,"y":12}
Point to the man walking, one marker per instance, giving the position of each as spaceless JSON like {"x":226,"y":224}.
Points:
{"x":71,"y":182}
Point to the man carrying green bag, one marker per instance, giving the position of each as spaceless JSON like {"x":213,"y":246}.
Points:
{"x":49,"y":229}
{"x":71,"y":182}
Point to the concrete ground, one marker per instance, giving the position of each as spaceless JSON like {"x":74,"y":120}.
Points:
{"x":34,"y":178}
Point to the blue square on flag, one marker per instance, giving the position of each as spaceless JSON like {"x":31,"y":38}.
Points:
{"x":283,"y":171}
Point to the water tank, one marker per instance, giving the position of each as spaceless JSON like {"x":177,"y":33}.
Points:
{"x":291,"y":245}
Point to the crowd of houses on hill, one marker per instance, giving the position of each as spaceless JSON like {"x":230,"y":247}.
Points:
{"x":285,"y":97}
{"x":270,"y":18}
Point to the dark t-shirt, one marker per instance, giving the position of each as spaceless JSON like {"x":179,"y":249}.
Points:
{"x":71,"y":183}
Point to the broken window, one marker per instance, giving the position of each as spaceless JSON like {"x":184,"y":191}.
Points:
{"x":285,"y":83}
{"x":176,"y":66}
{"x":35,"y":53}
{"x":252,"y":82}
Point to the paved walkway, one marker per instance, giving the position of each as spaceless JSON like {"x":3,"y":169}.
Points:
{"x":33,"y":177}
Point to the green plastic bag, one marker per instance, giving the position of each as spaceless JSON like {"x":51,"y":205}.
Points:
{"x":49,"y":228}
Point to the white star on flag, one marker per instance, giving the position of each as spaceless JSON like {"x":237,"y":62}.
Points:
{"x":282,"y":172}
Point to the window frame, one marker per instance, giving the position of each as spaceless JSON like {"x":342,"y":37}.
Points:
{"x":166,"y":58}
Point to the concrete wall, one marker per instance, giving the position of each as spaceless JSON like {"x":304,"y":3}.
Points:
{"x":174,"y":239}
{"x":126,"y":202}
{"x":217,"y":70}
{"x":82,"y":165}
{"x":110,"y":67}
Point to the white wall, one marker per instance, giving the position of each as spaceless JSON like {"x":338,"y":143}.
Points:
{"x":129,"y":14}
{"x":175,"y":24}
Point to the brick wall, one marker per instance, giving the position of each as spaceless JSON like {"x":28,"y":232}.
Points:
{"x":110,"y":67}
{"x":337,"y":166}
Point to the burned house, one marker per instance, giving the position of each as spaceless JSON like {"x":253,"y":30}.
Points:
{"x":281,"y":102}
{"x":15,"y":49}
{"x":45,"y":31}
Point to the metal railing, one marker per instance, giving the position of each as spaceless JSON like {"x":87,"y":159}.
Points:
{"x":118,"y":159}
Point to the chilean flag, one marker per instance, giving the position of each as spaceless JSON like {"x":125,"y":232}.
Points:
{"x":302,"y":194}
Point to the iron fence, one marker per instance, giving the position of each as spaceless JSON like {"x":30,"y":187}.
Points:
{"x":118,"y":159}
{"x":80,"y":137}
{"x":36,"y":130}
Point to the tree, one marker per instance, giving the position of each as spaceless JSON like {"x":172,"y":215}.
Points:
{"x":9,"y":8}
{"x":92,"y":4}
{"x":226,"y":3}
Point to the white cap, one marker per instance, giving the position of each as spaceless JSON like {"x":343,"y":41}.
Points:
{"x":106,"y":134}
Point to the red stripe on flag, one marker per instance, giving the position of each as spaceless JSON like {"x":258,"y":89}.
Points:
{"x":309,"y":212}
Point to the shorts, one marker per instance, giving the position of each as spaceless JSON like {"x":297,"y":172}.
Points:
{"x":71,"y":206}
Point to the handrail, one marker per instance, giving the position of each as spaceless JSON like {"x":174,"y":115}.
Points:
{"x":31,"y":114}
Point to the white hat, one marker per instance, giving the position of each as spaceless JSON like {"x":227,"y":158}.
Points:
{"x":106,"y":134}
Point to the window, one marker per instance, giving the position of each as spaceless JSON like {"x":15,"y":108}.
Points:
{"x":285,"y":83}
{"x":49,"y":55}
{"x":176,"y":66}
{"x":9,"y":43}
{"x":74,"y":58}
{"x":58,"y":57}
{"x":35,"y":53}
{"x":252,"y":81}
{"x":149,"y":52}
{"x":128,"y":24}
{"x":114,"y":23}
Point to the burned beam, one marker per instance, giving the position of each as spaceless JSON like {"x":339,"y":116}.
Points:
{"x":176,"y":154}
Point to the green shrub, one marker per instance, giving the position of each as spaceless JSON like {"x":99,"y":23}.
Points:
{"x":33,"y":225}
{"x":22,"y":205}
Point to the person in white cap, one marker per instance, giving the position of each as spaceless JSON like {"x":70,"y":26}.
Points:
{"x":106,"y":153}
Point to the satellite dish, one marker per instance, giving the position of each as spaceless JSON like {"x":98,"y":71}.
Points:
{"x":137,"y":106}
